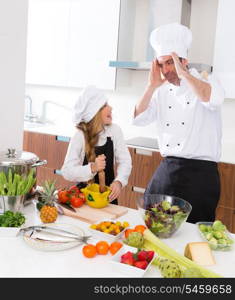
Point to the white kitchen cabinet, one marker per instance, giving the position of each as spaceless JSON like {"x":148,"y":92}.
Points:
{"x":224,"y":61}
{"x":47,"y":48}
{"x":70,"y":42}
{"x":13,"y":28}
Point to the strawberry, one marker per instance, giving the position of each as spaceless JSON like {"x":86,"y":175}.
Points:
{"x":150,"y":255}
{"x":142,"y":264}
{"x":127,"y":258}
{"x":142,"y":255}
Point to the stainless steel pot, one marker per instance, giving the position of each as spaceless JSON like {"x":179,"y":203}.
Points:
{"x":20,"y":162}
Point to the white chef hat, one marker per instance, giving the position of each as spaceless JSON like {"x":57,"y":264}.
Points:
{"x":88,"y":104}
{"x":169,"y":38}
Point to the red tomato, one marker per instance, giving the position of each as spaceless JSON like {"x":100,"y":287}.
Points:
{"x":82,"y":196}
{"x":74,"y":189}
{"x":63,"y":196}
{"x":76,"y":202}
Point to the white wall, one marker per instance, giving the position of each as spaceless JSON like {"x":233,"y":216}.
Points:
{"x":224,"y":57}
{"x":203,"y":26}
{"x":13,"y":24}
{"x":130,"y":87}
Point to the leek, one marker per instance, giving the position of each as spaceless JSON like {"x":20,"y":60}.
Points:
{"x":151,"y":242}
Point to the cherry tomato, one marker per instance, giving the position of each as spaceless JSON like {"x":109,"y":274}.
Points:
{"x":63,"y":196}
{"x":89,"y":251}
{"x":102,"y":247}
{"x":128,"y":231}
{"x":140,"y":228}
{"x":76,"y":202}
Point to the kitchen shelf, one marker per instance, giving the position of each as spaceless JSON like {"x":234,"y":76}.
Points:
{"x":144,"y":66}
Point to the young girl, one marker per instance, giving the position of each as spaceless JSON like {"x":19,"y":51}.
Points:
{"x":97,"y":145}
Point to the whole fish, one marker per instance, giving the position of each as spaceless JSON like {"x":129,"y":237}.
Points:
{"x":54,"y":231}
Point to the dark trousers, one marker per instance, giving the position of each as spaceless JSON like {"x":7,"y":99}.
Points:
{"x":196,"y":181}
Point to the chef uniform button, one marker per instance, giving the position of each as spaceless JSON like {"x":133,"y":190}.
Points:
{"x":167,"y":145}
{"x":178,"y":144}
{"x":170,"y":90}
{"x":167,"y":124}
{"x":188,"y":102}
{"x":170,"y":107}
{"x":182,"y":123}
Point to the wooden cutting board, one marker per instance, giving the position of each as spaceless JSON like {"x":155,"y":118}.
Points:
{"x":92,"y":215}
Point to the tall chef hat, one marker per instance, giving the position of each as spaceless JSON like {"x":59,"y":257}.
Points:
{"x":169,"y":38}
{"x":88,"y":104}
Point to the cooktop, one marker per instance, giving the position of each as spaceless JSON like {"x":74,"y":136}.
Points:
{"x":143,"y":142}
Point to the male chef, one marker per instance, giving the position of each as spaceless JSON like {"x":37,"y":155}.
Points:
{"x":186,"y":108}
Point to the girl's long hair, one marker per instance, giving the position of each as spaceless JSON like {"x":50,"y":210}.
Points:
{"x":91,"y":132}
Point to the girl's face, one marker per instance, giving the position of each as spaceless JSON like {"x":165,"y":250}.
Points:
{"x":106,"y":115}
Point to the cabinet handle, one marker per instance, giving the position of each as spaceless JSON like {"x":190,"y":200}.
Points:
{"x":58,"y":172}
{"x":143,"y":152}
{"x":61,"y":138}
{"x":138,"y":189}
{"x":40,"y":163}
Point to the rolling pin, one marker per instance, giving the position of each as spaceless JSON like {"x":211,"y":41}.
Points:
{"x":101,"y":176}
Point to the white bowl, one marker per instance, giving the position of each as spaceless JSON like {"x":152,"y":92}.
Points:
{"x":128,"y":270}
{"x":9,"y":231}
{"x":106,"y":236}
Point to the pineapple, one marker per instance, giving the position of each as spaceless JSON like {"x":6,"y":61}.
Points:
{"x":48,"y":211}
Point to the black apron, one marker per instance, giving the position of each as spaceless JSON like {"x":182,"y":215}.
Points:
{"x":196,"y":181}
{"x":107,"y":150}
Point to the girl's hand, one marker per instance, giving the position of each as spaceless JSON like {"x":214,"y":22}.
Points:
{"x":116,"y":188}
{"x":100,"y":162}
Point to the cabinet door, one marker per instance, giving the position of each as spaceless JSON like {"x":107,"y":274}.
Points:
{"x":129,"y":197}
{"x":93,"y":42}
{"x":44,"y":173}
{"x":46,"y":146}
{"x":144,"y":163}
{"x":227,"y":181}
{"x":70,"y":42}
{"x":227,"y":216}
{"x":222,"y":63}
{"x":47,"y":44}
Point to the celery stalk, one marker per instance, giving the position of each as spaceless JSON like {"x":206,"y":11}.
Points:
{"x":152,"y":242}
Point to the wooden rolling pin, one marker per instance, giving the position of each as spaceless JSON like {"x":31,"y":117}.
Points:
{"x":101,"y":176}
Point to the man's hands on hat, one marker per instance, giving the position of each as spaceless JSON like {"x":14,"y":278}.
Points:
{"x":180,"y":68}
{"x":99,"y":164}
{"x":156,"y":78}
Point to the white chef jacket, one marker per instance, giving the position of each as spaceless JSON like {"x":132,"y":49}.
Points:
{"x":73,"y":169}
{"x":187,"y":126}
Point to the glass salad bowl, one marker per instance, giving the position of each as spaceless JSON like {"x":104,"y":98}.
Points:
{"x":163,"y":214}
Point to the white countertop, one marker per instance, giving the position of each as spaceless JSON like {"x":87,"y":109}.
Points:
{"x":18,"y":259}
{"x":228,"y":144}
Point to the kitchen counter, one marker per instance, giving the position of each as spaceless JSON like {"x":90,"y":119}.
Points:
{"x":18,"y":259}
{"x":133,"y":139}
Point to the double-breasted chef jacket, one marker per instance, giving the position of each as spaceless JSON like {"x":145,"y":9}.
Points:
{"x":189,"y":137}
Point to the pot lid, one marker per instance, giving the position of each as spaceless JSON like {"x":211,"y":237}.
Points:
{"x":12,"y":157}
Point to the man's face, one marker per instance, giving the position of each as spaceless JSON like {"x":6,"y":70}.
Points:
{"x":168,"y":70}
